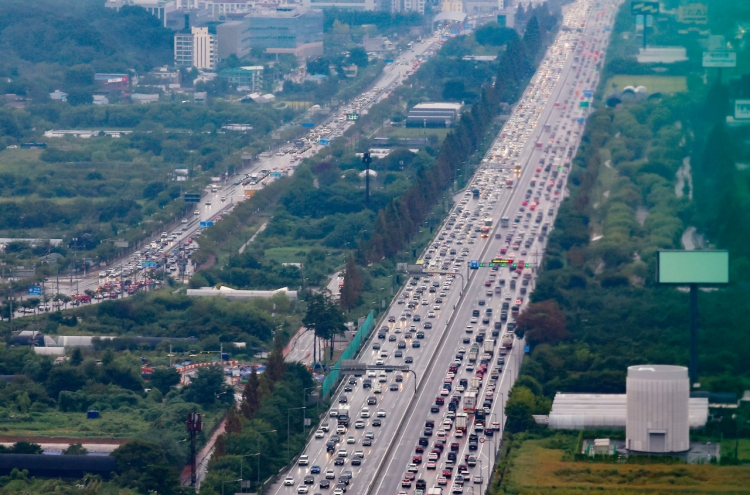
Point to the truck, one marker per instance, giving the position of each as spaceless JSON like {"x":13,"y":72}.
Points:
{"x":507,"y":341}
{"x":489,"y":346}
{"x":462,"y":420}
{"x":488,"y":221}
{"x":435,"y":491}
{"x":504,"y":221}
{"x":473,"y":354}
{"x":475,"y":192}
{"x":470,"y":401}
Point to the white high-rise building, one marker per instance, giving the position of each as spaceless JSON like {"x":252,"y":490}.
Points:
{"x":205,"y":49}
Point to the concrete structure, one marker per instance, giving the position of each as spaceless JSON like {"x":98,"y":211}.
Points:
{"x":592,"y":411}
{"x":58,"y":95}
{"x":205,"y":49}
{"x":342,"y":4}
{"x":250,"y":78}
{"x":459,"y":17}
{"x":657,"y":410}
{"x":662,"y":55}
{"x":286,"y":29}
{"x":407,"y":6}
{"x":144,"y":99}
{"x":100,"y":100}
{"x":441,"y":114}
{"x":183,"y":50}
{"x":453,"y":6}
{"x":158,"y":8}
{"x":83,"y":133}
{"x":241,"y":295}
{"x":232,"y":39}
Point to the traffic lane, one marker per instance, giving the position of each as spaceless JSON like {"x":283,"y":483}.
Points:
{"x":474,"y":290}
{"x":386,"y":431}
{"x":478,"y":292}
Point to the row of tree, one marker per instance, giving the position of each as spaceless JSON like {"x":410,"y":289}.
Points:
{"x":401,"y":218}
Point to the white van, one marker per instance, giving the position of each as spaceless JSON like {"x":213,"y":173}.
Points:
{"x":365,"y":412}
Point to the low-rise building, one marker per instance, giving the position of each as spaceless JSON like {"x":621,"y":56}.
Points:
{"x":58,"y":95}
{"x":443,"y":114}
{"x":144,"y":99}
{"x":248,"y":78}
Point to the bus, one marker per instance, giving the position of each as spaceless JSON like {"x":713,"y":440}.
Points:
{"x":504,"y":221}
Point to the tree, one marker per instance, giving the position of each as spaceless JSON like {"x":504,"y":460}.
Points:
{"x":77,"y":97}
{"x":358,"y":56}
{"x":542,"y":322}
{"x":494,"y":35}
{"x":79,"y":76}
{"x":75,"y":449}
{"x":207,"y":386}
{"x":76,"y":357}
{"x":324,"y":317}
{"x":251,"y":395}
{"x":164,"y":379}
{"x":353,"y":285}
{"x":275,"y":365}
{"x":144,"y":466}
{"x":234,"y":421}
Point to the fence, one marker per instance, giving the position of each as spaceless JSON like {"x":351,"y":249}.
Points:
{"x":351,"y":350}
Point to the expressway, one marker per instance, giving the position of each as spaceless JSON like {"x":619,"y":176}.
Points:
{"x":505,"y":212}
{"x":215,"y":204}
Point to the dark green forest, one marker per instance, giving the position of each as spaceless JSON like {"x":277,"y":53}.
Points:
{"x":36,"y":45}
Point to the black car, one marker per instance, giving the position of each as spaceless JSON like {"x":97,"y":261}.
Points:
{"x":423,"y":441}
{"x":342,"y":486}
{"x":367,"y":442}
{"x":391,"y":338}
{"x":416,"y":318}
{"x":352,"y":380}
{"x":415,"y":344}
{"x":394,"y":387}
{"x":420,"y":335}
{"x":399,"y":378}
{"x":330,"y":446}
{"x":381,"y":335}
{"x":339,"y":461}
{"x":398,"y":354}
{"x":343,"y":399}
{"x":434,"y":409}
{"x":427,"y":325}
{"x":356,"y":461}
{"x":325,"y":484}
{"x":408,"y":359}
{"x":377,"y":422}
{"x":348,"y":388}
{"x":309,"y":480}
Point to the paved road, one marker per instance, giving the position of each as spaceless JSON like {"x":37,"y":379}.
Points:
{"x":550,"y":99}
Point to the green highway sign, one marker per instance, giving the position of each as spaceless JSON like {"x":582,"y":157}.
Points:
{"x":192,"y":197}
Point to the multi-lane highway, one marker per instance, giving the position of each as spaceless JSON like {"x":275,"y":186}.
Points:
{"x":506,"y":213}
{"x":219,"y":199}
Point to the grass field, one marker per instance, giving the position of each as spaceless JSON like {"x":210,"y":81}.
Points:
{"x":535,"y":469}
{"x":654,"y":84}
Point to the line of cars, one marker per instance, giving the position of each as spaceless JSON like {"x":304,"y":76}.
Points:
{"x":450,"y":429}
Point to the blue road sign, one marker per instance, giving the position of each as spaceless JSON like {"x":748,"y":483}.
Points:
{"x":148,"y":264}
{"x":388,"y":61}
{"x":276,"y":175}
{"x":34,"y":290}
{"x":308,"y":124}
{"x":324,"y":142}
{"x":205,"y":224}
{"x":526,"y":349}
{"x":474,"y":264}
{"x":580,"y":120}
{"x":587,"y":93}
{"x":607,"y":28}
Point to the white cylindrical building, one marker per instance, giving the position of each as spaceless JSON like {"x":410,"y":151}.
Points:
{"x":657,"y":409}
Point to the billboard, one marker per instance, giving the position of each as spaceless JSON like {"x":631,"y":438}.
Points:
{"x":719,"y":59}
{"x":644,"y":8}
{"x":692,"y":267}
{"x":192,"y":197}
{"x":741,"y":109}
{"x":695,"y":13}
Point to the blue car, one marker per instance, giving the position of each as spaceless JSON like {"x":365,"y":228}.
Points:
{"x":315,"y":470}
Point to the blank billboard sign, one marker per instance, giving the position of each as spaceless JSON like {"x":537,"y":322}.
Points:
{"x":693,"y":267}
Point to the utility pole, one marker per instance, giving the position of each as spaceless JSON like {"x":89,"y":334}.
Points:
{"x":366,"y":159}
{"x":194,"y":426}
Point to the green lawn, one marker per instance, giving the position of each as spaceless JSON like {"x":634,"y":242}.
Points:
{"x":654,"y":84}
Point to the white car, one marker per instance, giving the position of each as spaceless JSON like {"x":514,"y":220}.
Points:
{"x":319,"y":434}
{"x":289,"y":481}
{"x":303,"y":460}
{"x":302,"y":489}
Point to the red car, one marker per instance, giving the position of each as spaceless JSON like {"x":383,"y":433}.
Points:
{"x":419,"y":449}
{"x":439,"y":401}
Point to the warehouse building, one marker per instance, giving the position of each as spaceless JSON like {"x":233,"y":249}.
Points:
{"x":441,"y":114}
